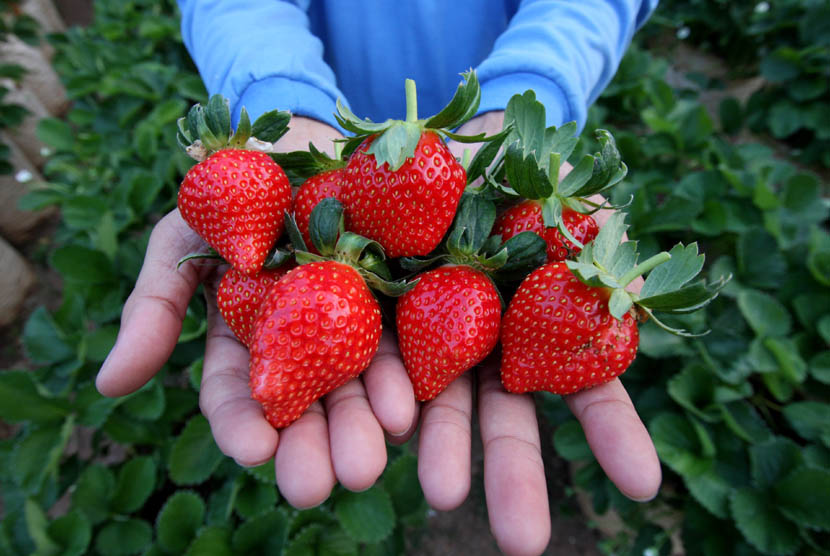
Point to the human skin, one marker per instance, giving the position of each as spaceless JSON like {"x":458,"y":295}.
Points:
{"x":341,"y":438}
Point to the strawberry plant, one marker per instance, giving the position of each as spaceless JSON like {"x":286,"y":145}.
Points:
{"x":84,"y":474}
{"x":736,"y":415}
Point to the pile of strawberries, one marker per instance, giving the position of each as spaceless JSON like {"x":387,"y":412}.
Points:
{"x":497,"y":249}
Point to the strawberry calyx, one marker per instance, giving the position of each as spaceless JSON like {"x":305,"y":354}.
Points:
{"x":470,"y":243}
{"x":207,"y":129}
{"x":533,"y":156}
{"x":670,"y":286}
{"x":327,"y":232}
{"x":396,"y":140}
{"x":301,"y":165}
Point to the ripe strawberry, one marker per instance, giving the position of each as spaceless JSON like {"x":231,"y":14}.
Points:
{"x":236,"y":196}
{"x":402,"y":185}
{"x":572,"y":325}
{"x":240,"y":296}
{"x":447,"y":324}
{"x":235,"y":200}
{"x":318,"y":328}
{"x":312,"y":191}
{"x":527,"y":216}
{"x":557,"y":335}
{"x":407,"y":210}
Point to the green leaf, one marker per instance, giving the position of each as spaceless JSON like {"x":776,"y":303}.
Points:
{"x":73,"y":532}
{"x":263,"y":534}
{"x":773,"y":460}
{"x":811,"y":420}
{"x":677,"y":444}
{"x":619,"y":303}
{"x":743,"y":419}
{"x":400,"y":480}
{"x":255,"y":497}
{"x":326,"y":225}
{"x":694,"y":389}
{"x":23,"y":399}
{"x":607,"y":241}
{"x":122,"y":538}
{"x":395,"y":145}
{"x":265,"y":473}
{"x":179,"y":519}
{"x":525,"y":175}
{"x":93,"y":492}
{"x":475,"y":216}
{"x":214,"y":540}
{"x":684,"y":265}
{"x":818,"y":262}
{"x":461,"y":107}
{"x":578,"y":177}
{"x":56,"y":133}
{"x":36,"y":526}
{"x":305,"y":542}
{"x":147,"y":403}
{"x":38,"y":454}
{"x":218,"y":117}
{"x":711,"y":490}
{"x":820,"y":366}
{"x":760,"y":261}
{"x":270,"y":126}
{"x":764,"y":313}
{"x":81,"y":264}
{"x":43,"y":340}
{"x":366,"y":516}
{"x":804,"y":497}
{"x":525,"y":251}
{"x":136,"y":481}
{"x":194,"y":455}
{"x":762,"y":524}
{"x":570,"y":442}
{"x":731,"y":115}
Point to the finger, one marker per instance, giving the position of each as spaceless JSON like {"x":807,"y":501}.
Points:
{"x":514,"y":474}
{"x":236,"y":421}
{"x":152,"y":317}
{"x":444,"y":445}
{"x":358,"y":449}
{"x":618,"y":439}
{"x":305,"y":476}
{"x":390,"y":390}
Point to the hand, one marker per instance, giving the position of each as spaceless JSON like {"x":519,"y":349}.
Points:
{"x":514,"y":478}
{"x":340,"y":438}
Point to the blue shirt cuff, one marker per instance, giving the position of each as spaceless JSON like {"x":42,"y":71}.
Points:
{"x":496,"y":92}
{"x":281,"y":93}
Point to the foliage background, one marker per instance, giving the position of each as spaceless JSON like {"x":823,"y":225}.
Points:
{"x":740,"y":417}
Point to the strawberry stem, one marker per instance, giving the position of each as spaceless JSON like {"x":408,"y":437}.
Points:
{"x":644,"y":267}
{"x":411,"y":101}
{"x":466,"y":157}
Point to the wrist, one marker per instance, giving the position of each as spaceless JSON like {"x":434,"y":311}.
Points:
{"x":304,"y":130}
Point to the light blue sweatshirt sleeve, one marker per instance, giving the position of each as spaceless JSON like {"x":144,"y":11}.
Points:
{"x":241,"y":48}
{"x":566,"y":50}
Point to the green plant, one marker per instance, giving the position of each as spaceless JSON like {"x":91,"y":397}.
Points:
{"x":84,"y":474}
{"x":739,"y":416}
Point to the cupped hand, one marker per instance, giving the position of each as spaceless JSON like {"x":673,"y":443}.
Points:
{"x":341,"y":438}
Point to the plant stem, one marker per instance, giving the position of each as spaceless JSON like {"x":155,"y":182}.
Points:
{"x":411,"y":101}
{"x":644,"y":267}
{"x":466,"y":158}
{"x":338,"y":150}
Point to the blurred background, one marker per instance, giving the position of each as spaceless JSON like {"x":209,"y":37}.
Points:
{"x":721,"y":111}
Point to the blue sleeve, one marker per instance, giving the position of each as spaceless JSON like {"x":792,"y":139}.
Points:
{"x":566,"y":50}
{"x":240,"y":48}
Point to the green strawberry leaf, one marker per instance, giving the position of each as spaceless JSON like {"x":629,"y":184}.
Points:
{"x":136,"y":481}
{"x":397,"y":143}
{"x":194,"y":456}
{"x":762,"y":524}
{"x":525,"y":251}
{"x":578,"y":177}
{"x":462,"y":106}
{"x":366,"y":516}
{"x":121,"y":538}
{"x":619,"y":303}
{"x":73,"y":532}
{"x":525,"y":175}
{"x":213,"y":540}
{"x":607,"y":240}
{"x":804,"y":497}
{"x":179,"y":519}
{"x":266,"y":533}
{"x":474,"y":220}
{"x":243,"y":130}
{"x":773,"y":460}
{"x":485,"y":156}
{"x":326,"y":224}
{"x":686,"y":299}
{"x":685,"y":264}
{"x":271,"y":125}
{"x":218,"y":118}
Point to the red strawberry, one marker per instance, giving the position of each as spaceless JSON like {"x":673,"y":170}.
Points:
{"x":408,"y":210}
{"x":402,"y":185}
{"x":312,"y":191}
{"x":558,"y":335}
{"x":235,"y":200}
{"x":318,"y":328}
{"x":240,"y":296}
{"x":447,"y":324}
{"x":527,"y":216}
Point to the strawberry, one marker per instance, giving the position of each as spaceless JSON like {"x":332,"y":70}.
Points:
{"x":527,"y":216}
{"x":402,"y":185}
{"x":240,"y":296}
{"x":235,"y":200}
{"x":447,"y":324}
{"x":571,"y":325}
{"x":312,"y":191}
{"x":558,"y":335}
{"x":235,"y":197}
{"x":407,"y":210}
{"x":319,"y":325}
{"x":450,"y":320}
{"x":318,"y":328}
